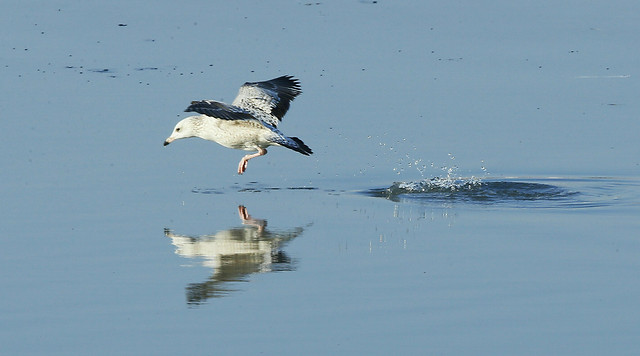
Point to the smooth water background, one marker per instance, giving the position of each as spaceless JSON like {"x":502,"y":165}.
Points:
{"x":508,"y":92}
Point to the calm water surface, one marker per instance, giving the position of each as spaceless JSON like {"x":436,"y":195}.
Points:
{"x":473,"y":190}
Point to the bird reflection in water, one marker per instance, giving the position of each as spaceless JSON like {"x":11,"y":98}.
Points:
{"x":234,"y":255}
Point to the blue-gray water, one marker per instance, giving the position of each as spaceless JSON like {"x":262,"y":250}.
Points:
{"x":474,"y":188}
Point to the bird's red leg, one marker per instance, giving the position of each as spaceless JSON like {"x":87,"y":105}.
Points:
{"x":243,"y":162}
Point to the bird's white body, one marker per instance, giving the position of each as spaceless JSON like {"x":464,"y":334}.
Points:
{"x":240,"y":135}
{"x":249,"y":124}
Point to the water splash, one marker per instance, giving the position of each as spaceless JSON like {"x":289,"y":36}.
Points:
{"x":436,"y":184}
{"x":450,"y":182}
{"x":475,"y":190}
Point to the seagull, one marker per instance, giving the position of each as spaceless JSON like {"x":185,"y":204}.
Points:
{"x":250,"y":123}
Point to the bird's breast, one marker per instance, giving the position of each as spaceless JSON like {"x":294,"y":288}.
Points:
{"x":241,"y":135}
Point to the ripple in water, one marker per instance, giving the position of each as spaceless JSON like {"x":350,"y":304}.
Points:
{"x":475,"y":190}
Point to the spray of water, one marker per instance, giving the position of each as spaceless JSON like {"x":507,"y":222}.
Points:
{"x":449,"y":181}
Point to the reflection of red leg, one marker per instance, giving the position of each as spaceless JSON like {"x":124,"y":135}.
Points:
{"x":243,"y":162}
{"x":248,"y":220}
{"x":242,"y":211}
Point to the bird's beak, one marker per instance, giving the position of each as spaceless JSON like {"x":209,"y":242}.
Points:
{"x":168,"y":141}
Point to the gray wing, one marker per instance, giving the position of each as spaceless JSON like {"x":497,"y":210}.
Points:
{"x":272,"y":97}
{"x":219,"y":110}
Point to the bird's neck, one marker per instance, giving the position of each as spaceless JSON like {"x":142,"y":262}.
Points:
{"x":204,"y":126}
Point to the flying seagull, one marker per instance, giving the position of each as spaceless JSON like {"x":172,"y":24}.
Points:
{"x":250,"y":123}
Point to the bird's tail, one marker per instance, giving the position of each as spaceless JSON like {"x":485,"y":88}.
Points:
{"x":297,"y":145}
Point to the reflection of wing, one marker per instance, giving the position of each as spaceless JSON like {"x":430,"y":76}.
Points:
{"x":235,"y":254}
{"x":236,"y":268}
{"x":272,"y":97}
{"x":219,"y":110}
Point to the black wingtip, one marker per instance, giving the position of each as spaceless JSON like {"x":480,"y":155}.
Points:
{"x":288,"y":88}
{"x":302,"y":148}
{"x":190,"y":108}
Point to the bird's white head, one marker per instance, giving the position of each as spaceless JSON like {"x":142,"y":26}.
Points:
{"x":184,"y":129}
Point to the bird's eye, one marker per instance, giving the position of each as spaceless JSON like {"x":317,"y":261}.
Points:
{"x":178,"y":129}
